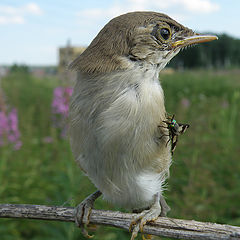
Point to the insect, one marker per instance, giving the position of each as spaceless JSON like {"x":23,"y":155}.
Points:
{"x":175,"y":129}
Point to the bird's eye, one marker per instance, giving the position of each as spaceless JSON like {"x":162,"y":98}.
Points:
{"x":165,"y":33}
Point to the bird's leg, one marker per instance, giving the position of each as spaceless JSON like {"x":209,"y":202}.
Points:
{"x":164,"y":210}
{"x":164,"y":207}
{"x":145,"y":216}
{"x":83,"y":211}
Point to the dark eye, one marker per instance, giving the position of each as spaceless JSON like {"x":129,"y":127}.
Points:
{"x":165,"y":33}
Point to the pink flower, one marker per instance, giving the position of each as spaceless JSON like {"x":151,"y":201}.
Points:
{"x":60,"y":107}
{"x":9,"y":133}
{"x":18,"y":145}
{"x":3,"y":123}
{"x":69,"y":91}
{"x":13,"y":120}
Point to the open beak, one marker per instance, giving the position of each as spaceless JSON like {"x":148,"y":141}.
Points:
{"x":194,"y":40}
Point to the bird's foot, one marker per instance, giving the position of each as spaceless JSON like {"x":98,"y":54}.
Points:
{"x":83,"y":211}
{"x":145,"y":216}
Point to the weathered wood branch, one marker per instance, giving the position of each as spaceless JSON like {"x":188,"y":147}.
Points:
{"x":166,"y":227}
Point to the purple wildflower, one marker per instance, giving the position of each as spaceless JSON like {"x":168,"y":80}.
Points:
{"x":60,"y":107}
{"x":18,"y":145}
{"x":3,"y":123}
{"x":9,"y":133}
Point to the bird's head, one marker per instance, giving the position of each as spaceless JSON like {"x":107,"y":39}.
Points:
{"x":142,"y":38}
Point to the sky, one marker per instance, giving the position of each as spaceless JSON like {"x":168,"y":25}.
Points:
{"x":32,"y":31}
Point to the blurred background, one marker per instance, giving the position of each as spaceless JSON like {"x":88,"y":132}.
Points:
{"x":202,"y":88}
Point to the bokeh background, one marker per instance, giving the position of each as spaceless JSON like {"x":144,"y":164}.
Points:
{"x":202,"y":88}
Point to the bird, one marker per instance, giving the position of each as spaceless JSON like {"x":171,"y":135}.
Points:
{"x":115,"y":111}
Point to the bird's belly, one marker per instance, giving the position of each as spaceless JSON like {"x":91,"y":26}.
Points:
{"x":135,"y":190}
{"x":131,"y":167}
{"x":129,"y":188}
{"x":126,"y":163}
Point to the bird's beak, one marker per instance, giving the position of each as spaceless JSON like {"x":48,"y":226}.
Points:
{"x":197,"y":38}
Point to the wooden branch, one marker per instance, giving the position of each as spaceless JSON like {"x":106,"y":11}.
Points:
{"x":166,"y":227}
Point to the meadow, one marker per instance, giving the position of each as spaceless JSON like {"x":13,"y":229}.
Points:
{"x":205,"y":175}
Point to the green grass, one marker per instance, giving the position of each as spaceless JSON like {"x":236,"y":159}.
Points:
{"x":205,"y":180}
{"x":205,"y":175}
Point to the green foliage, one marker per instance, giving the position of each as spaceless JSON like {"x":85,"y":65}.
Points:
{"x":19,"y":69}
{"x":205,"y":172}
{"x":204,"y":183}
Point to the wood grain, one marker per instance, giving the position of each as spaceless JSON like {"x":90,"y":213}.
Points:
{"x":166,"y":227}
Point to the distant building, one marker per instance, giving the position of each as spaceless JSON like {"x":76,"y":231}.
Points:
{"x":66,"y":55}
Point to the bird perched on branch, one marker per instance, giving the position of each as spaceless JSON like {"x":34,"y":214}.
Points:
{"x":116,"y":109}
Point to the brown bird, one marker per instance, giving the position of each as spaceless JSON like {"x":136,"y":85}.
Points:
{"x":116,"y":108}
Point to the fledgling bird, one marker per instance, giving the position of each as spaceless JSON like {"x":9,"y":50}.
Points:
{"x":116,"y":108}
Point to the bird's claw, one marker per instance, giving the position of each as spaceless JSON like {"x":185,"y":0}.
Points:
{"x":140,"y":220}
{"x":83,"y":211}
{"x":82,"y":214}
{"x":134,"y":230}
{"x":159,"y":208}
{"x":147,"y":237}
